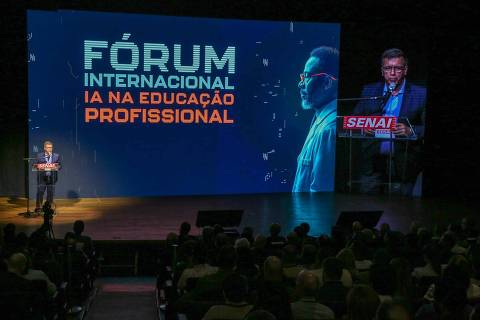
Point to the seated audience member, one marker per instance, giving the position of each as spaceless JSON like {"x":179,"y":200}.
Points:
{"x":469,"y":227}
{"x":432,"y":267}
{"x":235,"y":291}
{"x":184,"y":234}
{"x":248,"y":234}
{"x":32,"y":274}
{"x":259,"y":250}
{"x":272,"y":293}
{"x":403,"y":278}
{"x":246,"y":265}
{"x":16,"y":293}
{"x":382,"y":275}
{"x":9,"y":236}
{"x":449,"y":301}
{"x":392,"y":310}
{"x":307,"y":307}
{"x":348,"y":259}
{"x":362,"y":303}
{"x":345,"y":278}
{"x":290,"y":267}
{"x":308,"y":257}
{"x":333,"y":293}
{"x":275,"y":240}
{"x":306,"y":229}
{"x":83,"y":242}
{"x":362,"y":255}
{"x":200,"y":267}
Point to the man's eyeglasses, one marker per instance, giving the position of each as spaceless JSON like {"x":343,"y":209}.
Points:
{"x":306,"y":75}
{"x":396,"y":69}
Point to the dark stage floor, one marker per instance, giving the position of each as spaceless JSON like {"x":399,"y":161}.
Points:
{"x":153,"y":218}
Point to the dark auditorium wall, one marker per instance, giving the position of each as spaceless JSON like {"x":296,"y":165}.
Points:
{"x":442,"y":42}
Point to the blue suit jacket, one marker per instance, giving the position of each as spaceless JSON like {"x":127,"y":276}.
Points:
{"x":413,"y":104}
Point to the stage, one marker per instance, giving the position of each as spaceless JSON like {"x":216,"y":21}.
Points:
{"x":152,"y":218}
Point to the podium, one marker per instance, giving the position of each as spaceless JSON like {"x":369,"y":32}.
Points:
{"x":46,"y":177}
{"x":365,"y":135}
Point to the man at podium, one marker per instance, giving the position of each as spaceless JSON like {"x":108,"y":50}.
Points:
{"x":403,"y":100}
{"x":46,"y":179}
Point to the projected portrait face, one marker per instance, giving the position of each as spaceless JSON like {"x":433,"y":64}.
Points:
{"x":394,"y":70}
{"x":317,"y":87}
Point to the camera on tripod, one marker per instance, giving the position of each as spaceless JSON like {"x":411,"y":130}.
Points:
{"x":48,"y":212}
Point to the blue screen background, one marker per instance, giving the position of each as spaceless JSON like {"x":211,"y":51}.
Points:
{"x":257,"y":154}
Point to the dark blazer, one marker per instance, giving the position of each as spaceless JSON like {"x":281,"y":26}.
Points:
{"x":42,"y":177}
{"x":413,"y":104}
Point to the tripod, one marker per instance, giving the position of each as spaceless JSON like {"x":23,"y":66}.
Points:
{"x":48,"y":214}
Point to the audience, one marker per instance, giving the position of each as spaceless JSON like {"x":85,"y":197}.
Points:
{"x":362,"y":274}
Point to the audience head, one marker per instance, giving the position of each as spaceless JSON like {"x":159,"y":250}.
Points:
{"x":294,"y":239}
{"x":332,"y":269}
{"x":248,"y":234}
{"x":306,"y":228}
{"x":78,"y":227}
{"x":217,"y":229}
{"x":348,"y":259}
{"x":208,"y":234}
{"x":69,"y":238}
{"x":235,"y":288}
{"x":272,"y":269}
{"x":275,"y":229}
{"x":260,"y":242}
{"x":227,"y":257}
{"x":185,"y":228}
{"x":307,"y":283}
{"x":172,"y":238}
{"x":17,"y":263}
{"x":384,"y":229}
{"x":242,"y":243}
{"x":356,"y":226}
{"x":9,"y":233}
{"x":362,"y":303}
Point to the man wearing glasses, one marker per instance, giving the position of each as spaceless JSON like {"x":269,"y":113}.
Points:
{"x":318,"y":92}
{"x":406,"y":101}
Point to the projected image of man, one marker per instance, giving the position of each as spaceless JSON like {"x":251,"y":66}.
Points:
{"x":46,"y":179}
{"x":318,"y":92}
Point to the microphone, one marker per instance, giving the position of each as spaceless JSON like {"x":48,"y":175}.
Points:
{"x":388,"y":94}
{"x":391,"y":87}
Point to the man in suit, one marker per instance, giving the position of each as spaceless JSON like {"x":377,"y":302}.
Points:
{"x":318,"y":92}
{"x":46,"y":179}
{"x":404,"y":100}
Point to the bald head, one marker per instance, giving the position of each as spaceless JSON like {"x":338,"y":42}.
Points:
{"x":307,"y":283}
{"x":272,"y":269}
{"x":17,"y":263}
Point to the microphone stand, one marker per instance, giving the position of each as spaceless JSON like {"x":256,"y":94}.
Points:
{"x":28,"y":213}
{"x":361,"y":98}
